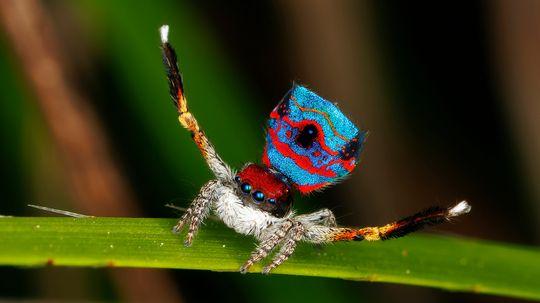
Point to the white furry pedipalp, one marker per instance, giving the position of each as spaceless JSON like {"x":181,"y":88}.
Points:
{"x":243,"y":219}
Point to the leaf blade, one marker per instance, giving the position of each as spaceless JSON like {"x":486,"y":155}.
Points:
{"x":443,"y":262}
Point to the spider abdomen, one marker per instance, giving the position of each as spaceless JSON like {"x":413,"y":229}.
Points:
{"x":311,"y":141}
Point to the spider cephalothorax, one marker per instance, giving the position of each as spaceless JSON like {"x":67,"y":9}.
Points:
{"x":310,"y":144}
{"x":266,"y":189}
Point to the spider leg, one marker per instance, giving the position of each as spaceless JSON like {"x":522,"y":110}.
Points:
{"x":324,"y":217}
{"x":197,"y":212}
{"x":296,"y":233}
{"x":267,"y":245}
{"x":185,"y":217}
{"x":186,"y":118}
{"x":400,"y":228}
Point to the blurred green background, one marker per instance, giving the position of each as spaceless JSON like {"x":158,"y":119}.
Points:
{"x":449,"y":93}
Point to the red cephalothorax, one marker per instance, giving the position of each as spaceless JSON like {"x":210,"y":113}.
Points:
{"x":266,"y":189}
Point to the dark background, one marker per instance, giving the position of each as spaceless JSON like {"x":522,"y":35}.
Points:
{"x":448,"y":91}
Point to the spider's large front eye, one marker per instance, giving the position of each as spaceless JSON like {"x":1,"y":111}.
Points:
{"x":245,"y":188}
{"x":258,"y":196}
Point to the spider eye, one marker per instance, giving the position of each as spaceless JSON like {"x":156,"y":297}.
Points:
{"x":272,"y":201}
{"x":245,"y":187}
{"x":258,"y":196}
{"x":237,"y":179}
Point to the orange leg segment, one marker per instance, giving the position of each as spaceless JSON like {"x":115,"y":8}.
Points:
{"x":428,"y":217}
{"x":186,"y":118}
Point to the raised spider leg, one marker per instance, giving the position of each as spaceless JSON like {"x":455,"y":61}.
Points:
{"x":267,"y":245}
{"x":186,"y":118}
{"x":323,"y":216}
{"x":198,"y":211}
{"x":296,"y":233}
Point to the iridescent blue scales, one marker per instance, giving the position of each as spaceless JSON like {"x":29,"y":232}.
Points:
{"x":311,"y":141}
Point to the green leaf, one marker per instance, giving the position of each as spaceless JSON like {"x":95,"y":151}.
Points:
{"x":444,"y":262}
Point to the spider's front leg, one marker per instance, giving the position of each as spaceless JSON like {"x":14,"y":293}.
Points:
{"x":198,"y":211}
{"x":300,"y":230}
{"x":287,"y":234}
{"x":296,"y":233}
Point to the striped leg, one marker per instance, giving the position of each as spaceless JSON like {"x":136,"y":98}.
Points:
{"x":267,"y":245}
{"x":186,"y":118}
{"x":431,"y":216}
{"x":295,"y":234}
{"x":197,"y":212}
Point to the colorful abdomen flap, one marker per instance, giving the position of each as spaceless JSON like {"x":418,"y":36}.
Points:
{"x":311,"y":141}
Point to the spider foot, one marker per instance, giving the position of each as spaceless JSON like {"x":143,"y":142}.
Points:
{"x":185,"y":218}
{"x":189,"y":239}
{"x":245,"y":267}
{"x":267,"y":245}
{"x":190,"y":220}
{"x":287,"y":236}
{"x":178,"y":227}
{"x":196,"y":213}
{"x":288,"y":246}
{"x":266,"y":270}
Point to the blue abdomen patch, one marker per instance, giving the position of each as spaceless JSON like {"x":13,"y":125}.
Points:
{"x":311,"y":141}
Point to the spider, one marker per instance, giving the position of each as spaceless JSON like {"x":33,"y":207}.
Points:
{"x":310,"y":144}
